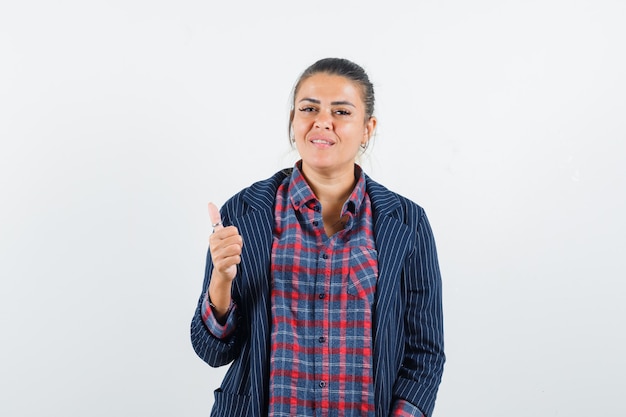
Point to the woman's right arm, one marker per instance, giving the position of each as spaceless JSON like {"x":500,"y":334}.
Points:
{"x":214,"y":322}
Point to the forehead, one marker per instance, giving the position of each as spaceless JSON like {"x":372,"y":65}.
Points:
{"x":331,"y":87}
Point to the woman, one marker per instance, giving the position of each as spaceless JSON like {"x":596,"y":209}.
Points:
{"x":322,"y":287}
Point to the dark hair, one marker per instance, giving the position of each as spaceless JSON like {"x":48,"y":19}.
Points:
{"x":343,"y":68}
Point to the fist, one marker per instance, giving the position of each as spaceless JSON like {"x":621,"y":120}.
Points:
{"x":225,"y":245}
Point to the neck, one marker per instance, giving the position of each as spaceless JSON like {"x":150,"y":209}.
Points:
{"x":333,"y":188}
{"x":332,"y":191}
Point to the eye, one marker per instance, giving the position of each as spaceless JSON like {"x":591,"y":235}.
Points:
{"x":343,"y":112}
{"x":307,"y":109}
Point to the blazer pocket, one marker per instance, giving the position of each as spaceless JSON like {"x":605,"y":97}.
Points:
{"x":227,"y":404}
{"x":363,"y":273}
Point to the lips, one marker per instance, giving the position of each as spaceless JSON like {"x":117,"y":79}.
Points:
{"x":323,"y":142}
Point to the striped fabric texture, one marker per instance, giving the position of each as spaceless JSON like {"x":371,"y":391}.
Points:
{"x":406,"y":360}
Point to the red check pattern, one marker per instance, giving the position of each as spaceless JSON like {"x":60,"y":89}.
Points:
{"x":405,"y":409}
{"x":322,"y":294}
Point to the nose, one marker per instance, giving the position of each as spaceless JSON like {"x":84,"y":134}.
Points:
{"x":324,"y":120}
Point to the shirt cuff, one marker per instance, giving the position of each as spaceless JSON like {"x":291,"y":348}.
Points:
{"x":217,"y":329}
{"x":402,"y":408}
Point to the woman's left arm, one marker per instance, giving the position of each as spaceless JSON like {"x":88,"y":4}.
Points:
{"x":422,"y":367}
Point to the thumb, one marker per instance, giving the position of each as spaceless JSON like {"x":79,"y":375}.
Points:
{"x":216,"y":219}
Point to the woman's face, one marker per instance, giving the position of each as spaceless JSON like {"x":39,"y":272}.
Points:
{"x":329,"y":124}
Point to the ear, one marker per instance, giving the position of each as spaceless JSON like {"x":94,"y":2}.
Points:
{"x":370,"y":127}
{"x":290,"y":126}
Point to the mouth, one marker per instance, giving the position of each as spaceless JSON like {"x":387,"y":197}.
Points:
{"x":322,"y":142}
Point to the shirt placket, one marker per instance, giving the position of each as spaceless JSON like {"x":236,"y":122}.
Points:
{"x":321,"y":316}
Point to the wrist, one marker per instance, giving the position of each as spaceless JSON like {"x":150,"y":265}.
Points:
{"x":219,"y":298}
{"x":220,"y":311}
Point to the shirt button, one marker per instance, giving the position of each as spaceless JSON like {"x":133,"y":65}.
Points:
{"x":322,"y":339}
{"x":322,"y":296}
{"x":317,"y":208}
{"x":322,"y":384}
{"x":325,"y":256}
{"x":315,"y":223}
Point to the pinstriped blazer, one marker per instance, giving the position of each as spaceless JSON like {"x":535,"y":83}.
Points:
{"x":408,"y":325}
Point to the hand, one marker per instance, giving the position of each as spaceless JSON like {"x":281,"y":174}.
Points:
{"x":225,"y":244}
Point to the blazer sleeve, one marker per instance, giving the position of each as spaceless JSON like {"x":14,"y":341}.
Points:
{"x":422,"y":367}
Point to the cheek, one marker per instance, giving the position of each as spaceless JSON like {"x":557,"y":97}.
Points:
{"x":300,"y":127}
{"x":353,"y":131}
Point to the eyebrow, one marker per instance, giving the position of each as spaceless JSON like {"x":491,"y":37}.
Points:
{"x":333,"y":103}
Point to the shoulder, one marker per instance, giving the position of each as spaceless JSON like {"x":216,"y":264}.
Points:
{"x":258,"y":196}
{"x":387,"y":202}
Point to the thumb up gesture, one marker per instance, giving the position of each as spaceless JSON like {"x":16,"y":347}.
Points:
{"x":225,"y":244}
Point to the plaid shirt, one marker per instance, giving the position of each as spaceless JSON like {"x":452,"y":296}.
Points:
{"x":322,"y":294}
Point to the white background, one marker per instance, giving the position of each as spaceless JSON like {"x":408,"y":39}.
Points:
{"x":120,"y":120}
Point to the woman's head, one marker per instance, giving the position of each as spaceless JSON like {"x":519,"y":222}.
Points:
{"x":331,"y":121}
{"x":343,"y":68}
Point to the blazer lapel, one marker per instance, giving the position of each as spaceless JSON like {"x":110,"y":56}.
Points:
{"x":253,"y":278}
{"x":393,"y":240}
